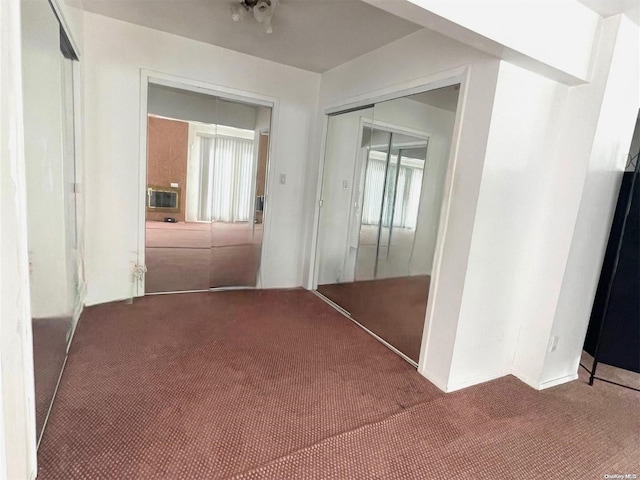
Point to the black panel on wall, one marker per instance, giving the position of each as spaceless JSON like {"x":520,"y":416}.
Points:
{"x":617,"y":336}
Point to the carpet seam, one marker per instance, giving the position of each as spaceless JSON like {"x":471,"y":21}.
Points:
{"x":404,"y":411}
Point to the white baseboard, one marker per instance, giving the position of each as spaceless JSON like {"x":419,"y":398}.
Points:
{"x":448,"y":388}
{"x":438,"y":382}
{"x":558,"y":381}
{"x":547,"y":384}
{"x":476,"y":381}
{"x":525,"y":379}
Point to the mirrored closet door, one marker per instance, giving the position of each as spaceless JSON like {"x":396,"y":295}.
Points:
{"x":207,"y":161}
{"x":52,"y":223}
{"x":382,"y":188}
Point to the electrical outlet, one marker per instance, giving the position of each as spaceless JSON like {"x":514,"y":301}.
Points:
{"x":553,"y":343}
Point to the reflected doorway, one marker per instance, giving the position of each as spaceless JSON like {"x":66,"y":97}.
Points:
{"x":207,"y":163}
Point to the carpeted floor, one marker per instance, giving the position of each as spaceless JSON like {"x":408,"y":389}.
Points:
{"x":392,"y":308}
{"x":276,"y":384}
{"x":49,"y":352}
{"x":613,"y":374}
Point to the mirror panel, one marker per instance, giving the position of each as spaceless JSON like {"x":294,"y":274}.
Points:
{"x":339,"y":254}
{"x":177,"y":243}
{"x":375,"y":186}
{"x":376,"y":245}
{"x":50,"y":174}
{"x":401,"y":208}
{"x":207,"y":160}
{"x":239,"y":165}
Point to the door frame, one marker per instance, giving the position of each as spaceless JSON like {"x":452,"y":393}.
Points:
{"x":168,"y":80}
{"x":459,"y":75}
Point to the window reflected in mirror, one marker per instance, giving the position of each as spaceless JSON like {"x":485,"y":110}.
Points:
{"x":207,"y":165}
{"x":382,"y":188}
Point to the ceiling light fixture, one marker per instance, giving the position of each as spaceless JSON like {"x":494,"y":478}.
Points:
{"x":262,"y":11}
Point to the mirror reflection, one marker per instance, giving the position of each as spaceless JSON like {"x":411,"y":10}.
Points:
{"x":50,"y":174}
{"x":207,"y":161}
{"x":382,"y":189}
{"x":390,"y":201}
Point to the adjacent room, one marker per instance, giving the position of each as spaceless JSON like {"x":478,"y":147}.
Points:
{"x":284,"y":239}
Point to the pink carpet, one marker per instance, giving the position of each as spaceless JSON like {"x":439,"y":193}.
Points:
{"x":276,"y":384}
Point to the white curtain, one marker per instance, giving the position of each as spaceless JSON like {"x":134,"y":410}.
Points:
{"x":373,"y":186}
{"x":413,"y":199}
{"x":226,"y":179}
{"x":407,"y":196}
{"x":244,"y":197}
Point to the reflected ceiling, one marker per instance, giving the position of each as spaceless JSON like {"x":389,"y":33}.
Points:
{"x":445,"y":97}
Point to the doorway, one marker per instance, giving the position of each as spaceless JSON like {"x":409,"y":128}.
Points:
{"x":207,"y":166}
{"x":382,"y":188}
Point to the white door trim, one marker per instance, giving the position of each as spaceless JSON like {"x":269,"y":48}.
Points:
{"x":459,"y":75}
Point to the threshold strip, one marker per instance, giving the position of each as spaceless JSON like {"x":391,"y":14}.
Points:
{"x":55,"y":393}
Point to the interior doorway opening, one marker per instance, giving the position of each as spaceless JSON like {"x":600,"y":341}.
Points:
{"x":207,"y":160}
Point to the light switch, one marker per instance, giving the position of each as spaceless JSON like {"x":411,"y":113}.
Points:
{"x":283,"y":179}
{"x":345,"y":184}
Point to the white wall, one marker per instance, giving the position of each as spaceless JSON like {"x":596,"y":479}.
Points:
{"x":500,"y":290}
{"x":199,"y":107}
{"x":418,"y":59}
{"x":550,"y":180}
{"x":601,"y":182}
{"x":3,"y":445}
{"x":17,"y":416}
{"x":114,"y":54}
{"x":560,"y":202}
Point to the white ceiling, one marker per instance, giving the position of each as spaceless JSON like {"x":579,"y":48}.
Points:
{"x":607,"y":8}
{"x":314,"y":35}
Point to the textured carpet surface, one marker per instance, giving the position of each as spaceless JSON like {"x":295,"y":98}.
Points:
{"x":392,"y":308}
{"x":276,"y":384}
{"x":611,"y":373}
